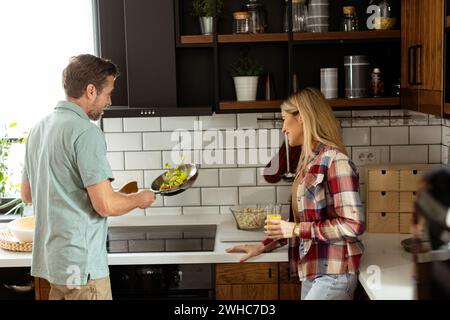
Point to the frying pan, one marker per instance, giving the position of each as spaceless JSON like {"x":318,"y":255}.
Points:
{"x":190,"y":169}
{"x":191,"y":172}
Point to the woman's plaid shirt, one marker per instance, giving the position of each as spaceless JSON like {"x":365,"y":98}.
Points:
{"x":331,"y":217}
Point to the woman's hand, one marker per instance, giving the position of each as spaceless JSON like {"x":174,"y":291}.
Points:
{"x":279,"y":229}
{"x":251,"y":250}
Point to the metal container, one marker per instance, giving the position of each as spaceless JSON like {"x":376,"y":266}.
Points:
{"x":357,"y":76}
{"x":329,"y":82}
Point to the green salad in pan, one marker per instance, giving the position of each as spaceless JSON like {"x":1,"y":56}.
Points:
{"x":173,"y":178}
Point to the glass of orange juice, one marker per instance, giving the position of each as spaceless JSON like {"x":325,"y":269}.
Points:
{"x":273,"y":212}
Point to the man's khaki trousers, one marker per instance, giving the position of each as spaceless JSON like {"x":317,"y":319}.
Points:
{"x":98,"y":289}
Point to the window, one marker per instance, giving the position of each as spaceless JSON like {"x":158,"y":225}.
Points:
{"x":38,"y":38}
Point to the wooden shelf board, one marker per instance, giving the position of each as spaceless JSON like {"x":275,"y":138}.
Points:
{"x":249,"y":105}
{"x":196,"y":39}
{"x":335,"y":103}
{"x":365,"y":102}
{"x":447,"y":21}
{"x":258,"y":37}
{"x":354,"y":35}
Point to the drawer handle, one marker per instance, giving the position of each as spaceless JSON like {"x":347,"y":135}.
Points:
{"x":414,"y":193}
{"x":414,"y":172}
{"x":383,"y":193}
{"x":383,"y":171}
{"x":383,"y":214}
{"x":270,"y":273}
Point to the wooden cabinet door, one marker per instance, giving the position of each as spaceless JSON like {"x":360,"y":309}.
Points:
{"x":289,"y":286}
{"x":247,"y":292}
{"x":422,"y":55}
{"x":150,"y":52}
{"x":431,"y":66}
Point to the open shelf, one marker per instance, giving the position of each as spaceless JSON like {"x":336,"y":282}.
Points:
{"x":256,"y":37}
{"x":365,"y":102}
{"x":196,"y":39}
{"x":354,"y":35}
{"x":249,"y":105}
{"x":335,"y":103}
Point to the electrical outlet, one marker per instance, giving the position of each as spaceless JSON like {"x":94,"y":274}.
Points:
{"x":362,"y":157}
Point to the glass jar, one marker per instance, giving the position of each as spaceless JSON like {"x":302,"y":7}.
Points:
{"x":349,"y":21}
{"x":258,"y":16}
{"x":381,"y":15}
{"x":376,"y":83}
{"x":299,"y":16}
{"x":242,"y":22}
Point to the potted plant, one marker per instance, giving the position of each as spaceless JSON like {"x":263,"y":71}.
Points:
{"x":245,"y":72}
{"x":204,"y":11}
{"x":9,"y":203}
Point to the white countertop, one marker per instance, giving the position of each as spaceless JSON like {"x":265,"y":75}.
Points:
{"x":384,"y":257}
{"x":386,"y":270}
{"x":219,"y":255}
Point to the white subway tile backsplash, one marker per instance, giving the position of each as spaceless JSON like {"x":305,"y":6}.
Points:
{"x":201,"y":210}
{"x":136,"y":213}
{"x":168,"y":211}
{"x":381,"y":154}
{"x":112,"y":125}
{"x":218,"y":121}
{"x":389,"y":135}
{"x":446,"y":136}
{"x":444,"y":155}
{"x":425,"y":135}
{"x":255,"y":157}
{"x":416,"y":118}
{"x":207,"y":178}
{"x":116,"y":160}
{"x":434,"y":154}
{"x":260,"y":181}
{"x":270,"y":138}
{"x":248,"y":120}
{"x":225,"y":209}
{"x":397,"y":118}
{"x":356,"y":136}
{"x":237,"y":177}
{"x":141,"y":124}
{"x":143,"y":160}
{"x":256,"y":195}
{"x":190,"y":197}
{"x":381,"y":118}
{"x":178,"y":123}
{"x":283,"y":194}
{"x":409,"y":154}
{"x":434,"y":120}
{"x":219,"y":196}
{"x":217,"y":158}
{"x":123,"y":141}
{"x":161,"y":140}
{"x":175,"y":157}
{"x":122,"y":177}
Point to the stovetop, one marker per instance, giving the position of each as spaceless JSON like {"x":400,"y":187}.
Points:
{"x":161,"y":238}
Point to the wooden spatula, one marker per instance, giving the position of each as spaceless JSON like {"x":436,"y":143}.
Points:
{"x":130,"y":187}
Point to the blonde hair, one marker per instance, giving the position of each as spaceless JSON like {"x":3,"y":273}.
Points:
{"x":318,"y":120}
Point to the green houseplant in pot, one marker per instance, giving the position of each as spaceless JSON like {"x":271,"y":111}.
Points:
{"x":203,"y":9}
{"x":9,"y":202}
{"x":245,"y":72}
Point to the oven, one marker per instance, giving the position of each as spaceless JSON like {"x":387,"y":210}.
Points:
{"x":168,"y":282}
{"x":162,"y":281}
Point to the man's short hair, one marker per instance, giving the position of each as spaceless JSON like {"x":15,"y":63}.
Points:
{"x":86,"y":69}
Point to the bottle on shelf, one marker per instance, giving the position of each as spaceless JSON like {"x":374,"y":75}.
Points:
{"x":376,"y":83}
{"x":258,"y":16}
{"x":350,"y":20}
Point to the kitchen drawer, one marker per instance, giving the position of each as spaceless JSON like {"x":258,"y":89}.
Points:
{"x":383,"y":222}
{"x":410,"y":180}
{"x":407,"y":201}
{"x":405,"y":222}
{"x":382,"y":201}
{"x":250,"y":273}
{"x":383,"y":180}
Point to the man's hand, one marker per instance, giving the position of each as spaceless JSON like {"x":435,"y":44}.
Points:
{"x":251,"y":250}
{"x":146,"y":198}
{"x":279,"y":229}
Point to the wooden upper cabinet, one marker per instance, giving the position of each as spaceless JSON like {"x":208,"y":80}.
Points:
{"x":422,"y":55}
{"x":150,"y":53}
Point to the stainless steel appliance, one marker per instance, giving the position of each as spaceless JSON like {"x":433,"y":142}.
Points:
{"x":162,"y":281}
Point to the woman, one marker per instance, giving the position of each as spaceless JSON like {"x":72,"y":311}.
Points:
{"x":327,"y":211}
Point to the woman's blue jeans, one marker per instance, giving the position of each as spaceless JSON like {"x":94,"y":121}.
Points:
{"x":330,"y":287}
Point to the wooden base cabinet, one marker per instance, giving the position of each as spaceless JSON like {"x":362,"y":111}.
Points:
{"x":255,"y":281}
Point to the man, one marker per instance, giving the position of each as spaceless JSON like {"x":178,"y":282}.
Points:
{"x":68,"y":179}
